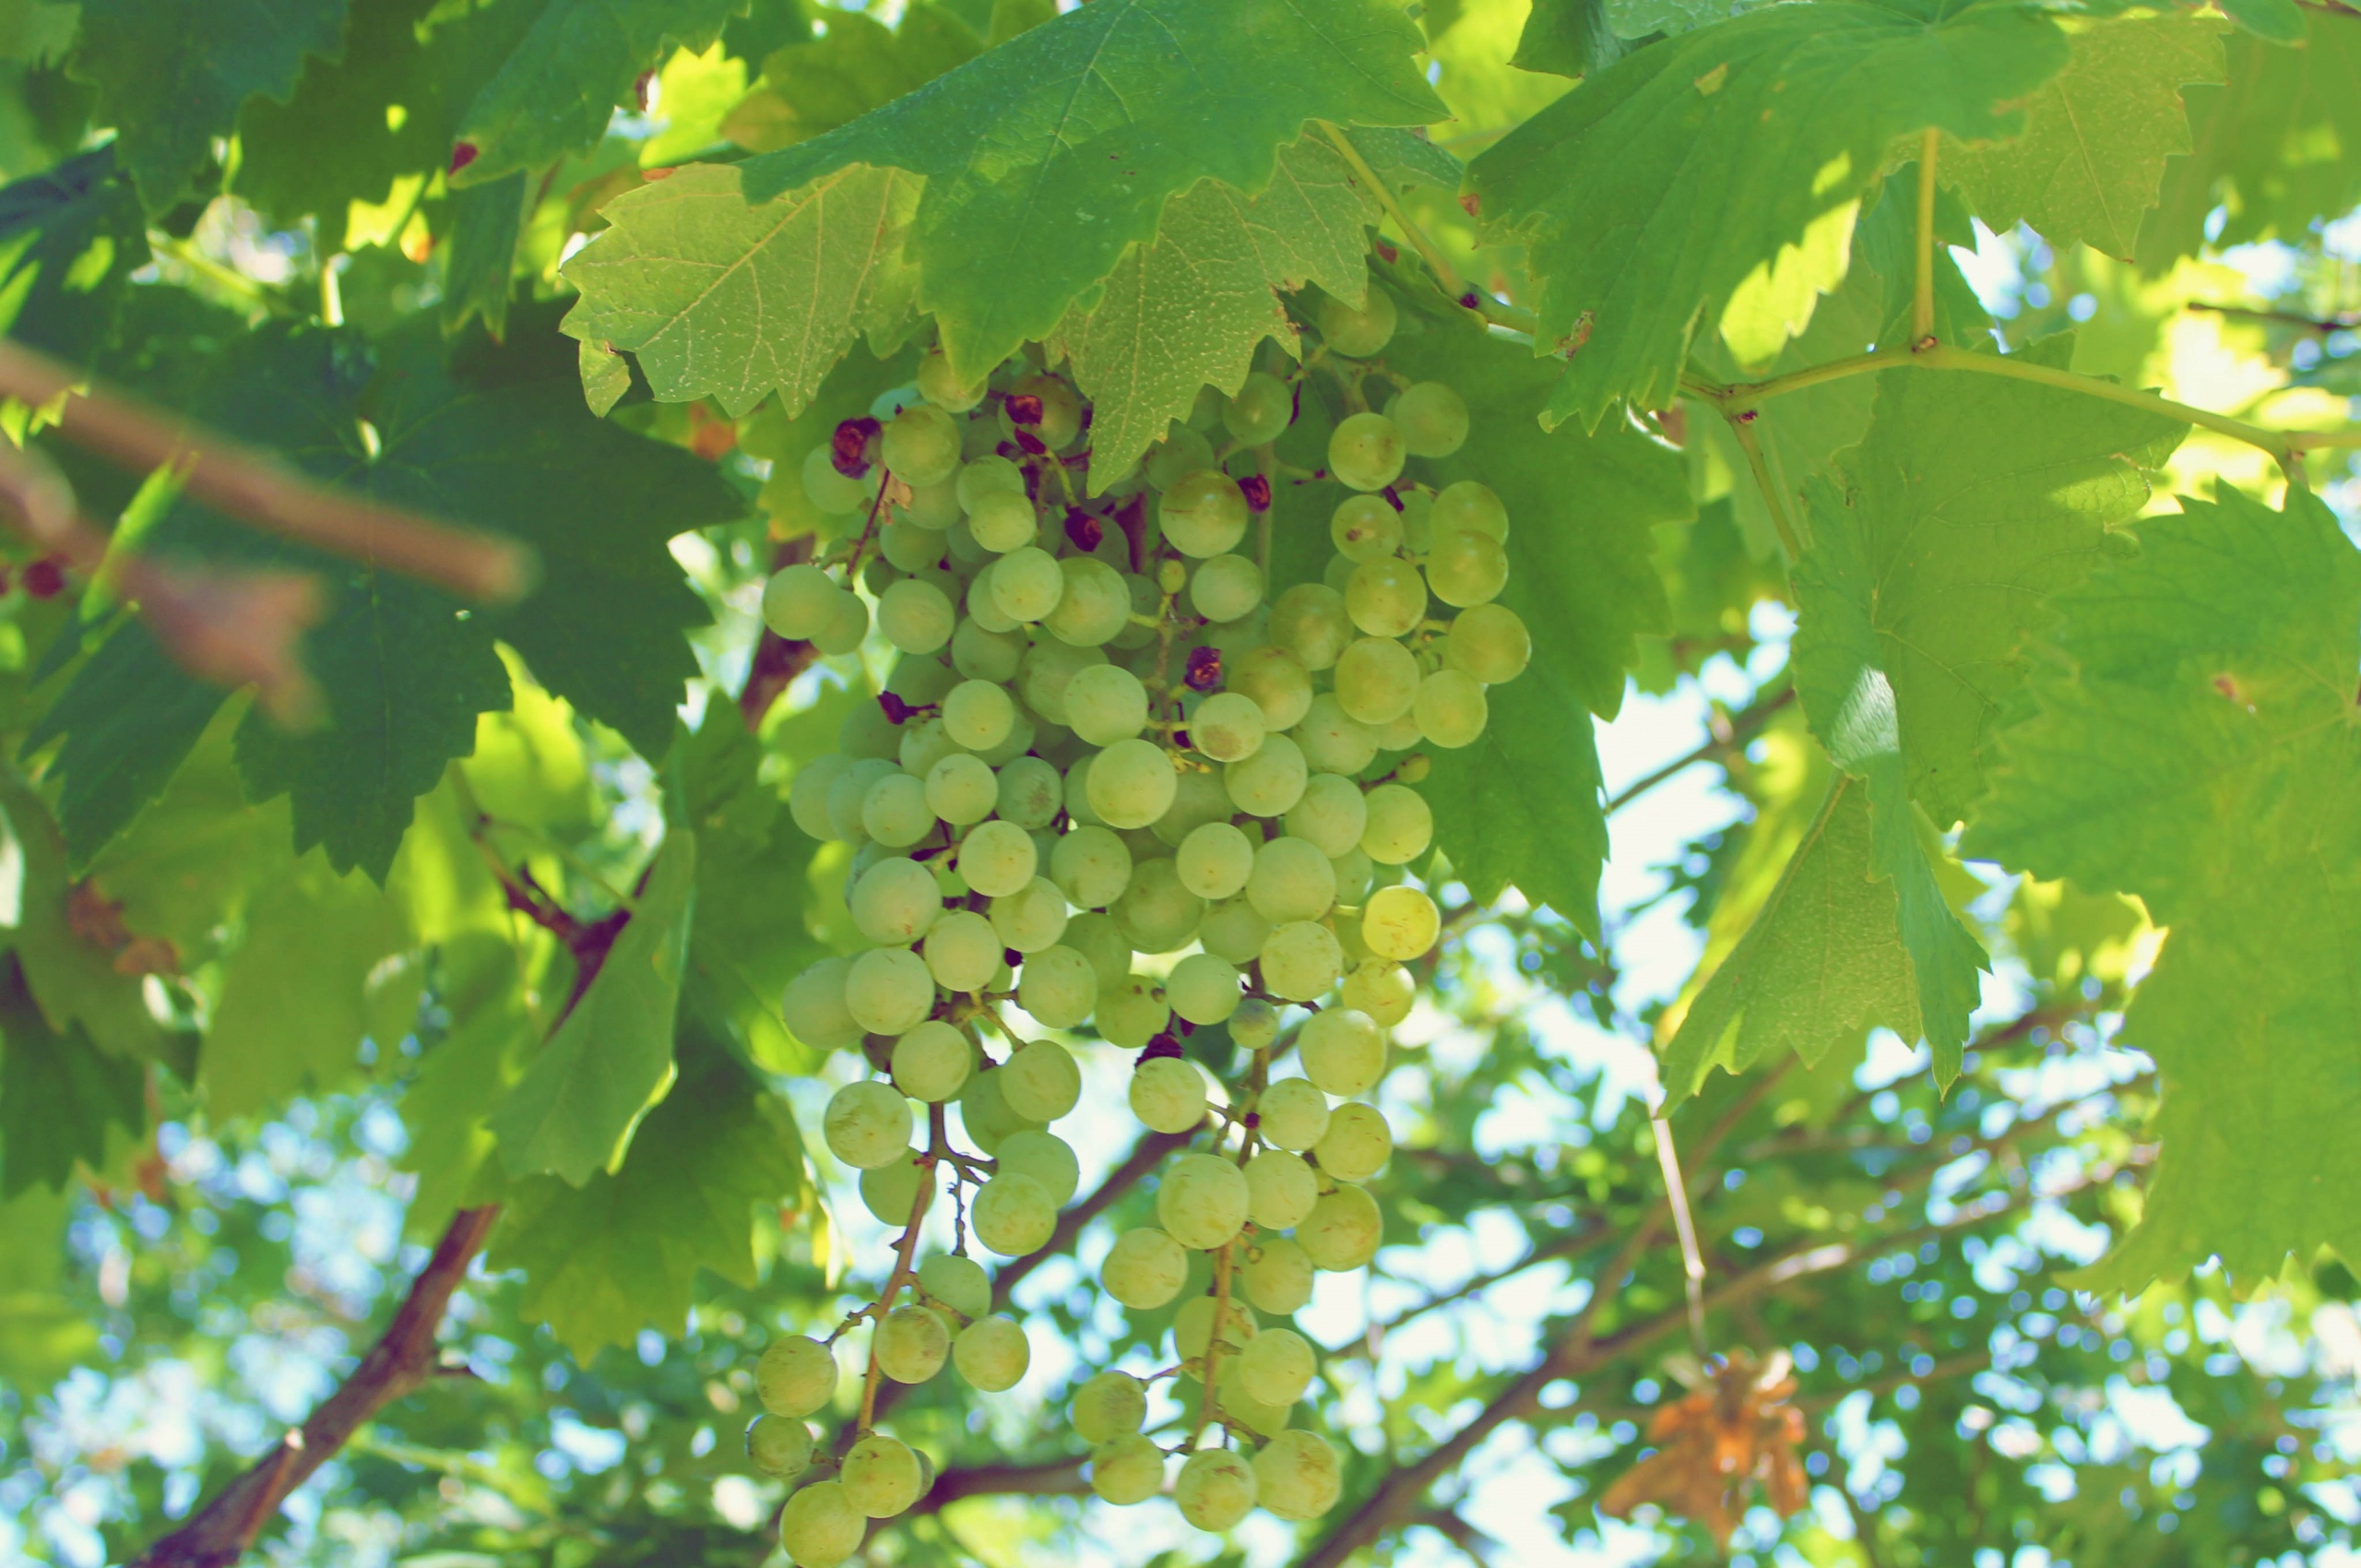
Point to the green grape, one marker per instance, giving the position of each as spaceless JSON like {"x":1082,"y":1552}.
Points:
{"x":1365,"y":451}
{"x":1198,"y":798}
{"x":1234,"y":930}
{"x":815,"y":1008}
{"x":1060,"y":410}
{"x":1277,"y":681}
{"x":1488,"y":642}
{"x":1157,"y":914}
{"x":1030,"y":792}
{"x":921,"y":682}
{"x":982,"y":608}
{"x":1401,"y":825}
{"x":1058,"y":987}
{"x":849,"y":793}
{"x":1092,"y":867}
{"x":1344,"y":1230}
{"x":888,"y":990}
{"x":1202,"y":1201}
{"x":1263,"y":408}
{"x":1193,"y":1326}
{"x":997,"y":858}
{"x":1357,"y":1144}
{"x":958,"y":1283}
{"x":924,"y":743}
{"x":867,"y":732}
{"x":1108,"y":1405}
{"x":1300,"y":961}
{"x":880,"y":1475}
{"x":1216,"y":1490}
{"x":1130,"y":783}
{"x":1385,"y":598}
{"x":1366,"y":528}
{"x":1227,"y":727}
{"x":1040,"y":1081}
{"x":1167,"y":1094}
{"x":1028,"y":583}
{"x":979,"y":715}
{"x":1003,"y":521}
{"x":1383,"y":988}
{"x":780,"y":1448}
{"x":1096,"y":605}
{"x":912,"y":1343}
{"x":1255,"y":1024}
{"x":1467,"y":568}
{"x":795,"y":1377}
{"x":1204,"y":514}
{"x":1332,"y":739}
{"x":1338,"y":573}
{"x":961,"y":790}
{"x":1132,"y":1012}
{"x":820,"y":1527}
{"x":1226,"y":588}
{"x":936,"y":509}
{"x":1215,"y":860}
{"x":868,"y":1124}
{"x":1145,"y":1268}
{"x":1203,"y":988}
{"x":1357,"y":334}
{"x":807,"y":796}
{"x":1106,"y":704}
{"x":799,"y":602}
{"x":1181,"y":453}
{"x":962,"y":951}
{"x":910,"y":548}
{"x":1277,"y":1275}
{"x":980,"y":654}
{"x":940,"y":384}
{"x":992,"y":1353}
{"x":1309,"y":621}
{"x":1095,"y":936}
{"x":834,"y":492}
{"x":1127,"y":1470}
{"x":1045,"y":1157}
{"x":1470,"y":506}
{"x":1297,"y":1476}
{"x":1343,"y":1051}
{"x":1450,"y":709}
{"x":1280,"y":1190}
{"x":1433,"y":419}
{"x":1402,"y":734}
{"x":1278,"y":1365}
{"x":984,"y":1112}
{"x":931,"y":1062}
{"x":1332,"y":814}
{"x":1376,"y":680}
{"x":1401,"y":924}
{"x":848,"y":626}
{"x":1269,"y":782}
{"x":891,"y":1192}
{"x":896,"y":901}
{"x":922,"y":445}
{"x":1292,"y":881}
{"x":988,"y":475}
{"x":1012,"y":1216}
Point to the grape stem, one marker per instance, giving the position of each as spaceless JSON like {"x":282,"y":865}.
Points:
{"x":1922,"y":298}
{"x":938,"y":1144}
{"x":1209,"y":1406}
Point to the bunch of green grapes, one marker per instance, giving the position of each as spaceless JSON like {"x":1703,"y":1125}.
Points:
{"x":1114,"y":785}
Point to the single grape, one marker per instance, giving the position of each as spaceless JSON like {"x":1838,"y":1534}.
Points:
{"x":916,"y":616}
{"x":940,"y":384}
{"x":779,"y":1447}
{"x":1215,"y":860}
{"x":984,"y":1112}
{"x":1470,"y":506}
{"x":1028,"y":583}
{"x":1269,"y":782}
{"x":980,"y":654}
{"x":1490,"y":642}
{"x":921,"y":682}
{"x":1292,"y":881}
{"x":1193,"y":1326}
{"x":1385,"y":598}
{"x":1105,"y":704}
{"x":1043,"y":1155}
{"x":1280,"y":1190}
{"x":1402,"y":734}
{"x":880,"y":1475}
{"x":1012,"y":1216}
{"x":814,"y":1006}
{"x":1130,"y":1012}
{"x":958,"y":1283}
{"x":1233,"y":930}
{"x":1332,"y":739}
{"x":1227,"y":587}
{"x":993,"y":1354}
{"x":799,"y":603}
{"x":1003,"y":521}
{"x":1401,"y":924}
{"x":931,"y":1062}
{"x":923,"y":744}
{"x":1168,"y":1094}
{"x":1297,"y":1476}
{"x":1204,"y":514}
{"x":1344,"y":1230}
{"x":963,"y":951}
{"x":1309,"y":621}
{"x":1095,"y":606}
{"x":1157,"y":914}
{"x":1357,"y":1144}
{"x":795,"y":1377}
{"x":1300,"y":961}
{"x":1108,"y":1405}
{"x":1058,"y":987}
{"x":1277,"y":681}
{"x":979,"y":715}
{"x":982,"y":608}
{"x":1181,"y":453}
{"x":848,"y":626}
{"x":1145,"y":1268}
{"x":961,"y":790}
{"x":1130,"y":783}
{"x":1366,"y":528}
{"x":868,"y":1124}
{"x":1278,"y":1365}
{"x":1040,"y":1081}
{"x":1467,"y":568}
{"x":1357,"y":334}
{"x":1381,"y":988}
{"x":1203,"y":988}
{"x":1127,"y":1470}
{"x":1254,"y":1024}
{"x":807,"y":796}
{"x":1401,"y":825}
{"x":1365,"y":451}
{"x":1227,"y":727}
{"x":820,"y":1527}
{"x":896,"y":901}
{"x":1030,"y":792}
{"x":1202,"y":1201}
{"x":1277,"y":1275}
{"x":922,"y":445}
{"x":1215,"y":1489}
{"x":1332,"y":814}
{"x":1198,"y":798}
{"x":1091,"y":866}
{"x":1343,"y":1051}
{"x":1263,"y":408}
{"x":1376,"y":680}
{"x":1061,"y":419}
{"x":988,"y":475}
{"x":1294,"y":1113}
{"x":1433,"y":419}
{"x":1030,"y":918}
{"x":998,"y":857}
{"x":834,"y":492}
{"x":1095,"y":936}
{"x":1449,"y":709}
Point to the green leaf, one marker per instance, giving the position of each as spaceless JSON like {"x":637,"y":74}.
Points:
{"x":484,"y":224}
{"x":73,"y":979}
{"x":622,"y":1252}
{"x":720,"y":298}
{"x":1718,"y":174}
{"x":45,"y":1332}
{"x":171,"y":75}
{"x":2096,"y":137}
{"x":2198,"y":747}
{"x":1403,"y":159}
{"x":487,"y":1048}
{"x":1521,"y":807}
{"x":574,"y":1111}
{"x":1821,"y":964}
{"x":1567,"y":38}
{"x":811,"y":87}
{"x":1641,"y":18}
{"x":2275,"y":21}
{"x":1189,"y":309}
{"x":69,"y":239}
{"x":58,"y":1093}
{"x":1047,"y":156}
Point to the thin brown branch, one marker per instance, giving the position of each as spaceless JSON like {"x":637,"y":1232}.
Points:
{"x":1057,"y":1478}
{"x":2345,"y":320}
{"x":258,"y":490}
{"x":1741,"y":726}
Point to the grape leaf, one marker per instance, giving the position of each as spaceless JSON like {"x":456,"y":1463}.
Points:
{"x":574,"y":1112}
{"x":1406,"y":158}
{"x":623,"y":1252}
{"x":70,"y":237}
{"x":58,"y":1093}
{"x":1720,"y":171}
{"x":720,"y":298}
{"x":45,"y":1332}
{"x":1567,"y":38}
{"x":1047,"y":156}
{"x":478,"y":252}
{"x":486,"y":1049}
{"x":171,"y":75}
{"x":2196,"y":747}
{"x":809,"y":88}
{"x":1189,"y":309}
{"x":2096,"y":137}
{"x":73,"y":979}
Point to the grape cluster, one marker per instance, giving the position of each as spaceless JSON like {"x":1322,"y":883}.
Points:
{"x":1112,"y":782}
